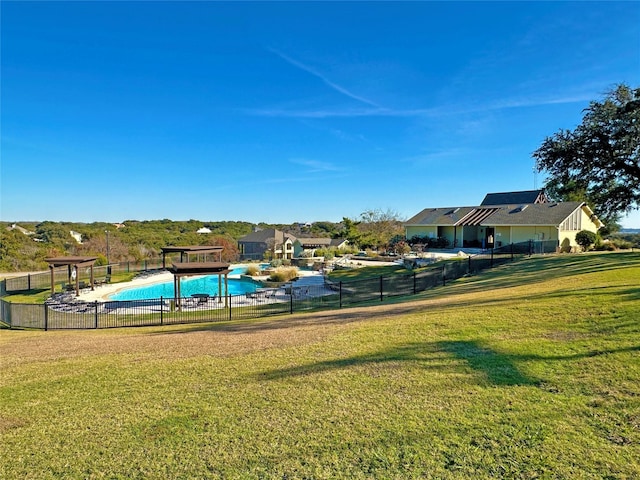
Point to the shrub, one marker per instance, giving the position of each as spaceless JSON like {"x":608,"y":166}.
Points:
{"x":253,"y":270}
{"x":327,"y":253}
{"x":622,"y":244}
{"x":585,"y":239}
{"x":283,"y":274}
{"x":626,"y":240}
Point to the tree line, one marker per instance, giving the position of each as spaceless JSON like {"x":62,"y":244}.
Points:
{"x":26,"y":247}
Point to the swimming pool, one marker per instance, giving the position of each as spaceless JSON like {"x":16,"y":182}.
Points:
{"x":188,"y":286}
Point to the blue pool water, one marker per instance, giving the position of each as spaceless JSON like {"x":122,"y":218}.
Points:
{"x":207,"y":284}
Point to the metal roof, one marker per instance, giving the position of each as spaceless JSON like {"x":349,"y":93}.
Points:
{"x":511,"y":198}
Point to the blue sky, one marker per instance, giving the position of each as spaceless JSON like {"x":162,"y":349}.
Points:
{"x":286,"y":112}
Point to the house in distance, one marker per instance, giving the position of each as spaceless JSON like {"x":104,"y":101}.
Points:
{"x":281,"y":245}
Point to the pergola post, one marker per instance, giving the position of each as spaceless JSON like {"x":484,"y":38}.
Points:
{"x":226,"y":290}
{"x":53,"y":280}
{"x":176,"y":291}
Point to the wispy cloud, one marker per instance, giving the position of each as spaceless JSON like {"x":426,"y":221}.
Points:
{"x":345,"y":112}
{"x":370,"y":108}
{"x":435,"y":157}
{"x":314,"y":178}
{"x":432,"y":112}
{"x":309,"y":171}
{"x":541,"y":101}
{"x":315,"y":166}
{"x":457,"y":156}
{"x":324,"y":78}
{"x":316,"y":113}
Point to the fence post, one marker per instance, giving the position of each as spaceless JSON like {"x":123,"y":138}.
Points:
{"x":491,"y":258}
{"x":340,"y":292}
{"x":381,"y":293}
{"x":229,"y":302}
{"x":511,"y":251}
{"x":95,"y":311}
{"x":46,"y":317}
{"x":161,"y":309}
{"x":28,"y":281}
{"x":414,"y":283}
{"x":291,"y":299}
{"x":530,"y":247}
{"x":444,"y":276}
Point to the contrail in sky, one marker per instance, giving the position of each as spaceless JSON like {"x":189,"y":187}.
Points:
{"x":328,"y":82}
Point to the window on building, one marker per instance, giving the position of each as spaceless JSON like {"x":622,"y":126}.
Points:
{"x":573,"y":222}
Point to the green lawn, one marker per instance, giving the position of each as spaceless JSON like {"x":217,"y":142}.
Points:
{"x":531,"y":370}
{"x":351,"y":274}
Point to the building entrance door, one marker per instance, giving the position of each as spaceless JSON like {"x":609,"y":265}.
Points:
{"x":489,"y":240}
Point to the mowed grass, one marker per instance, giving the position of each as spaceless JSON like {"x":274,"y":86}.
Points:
{"x":531,"y":370}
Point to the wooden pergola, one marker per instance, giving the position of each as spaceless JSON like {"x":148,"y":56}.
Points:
{"x":186,"y":269}
{"x":201,"y":251}
{"x":72,"y":264}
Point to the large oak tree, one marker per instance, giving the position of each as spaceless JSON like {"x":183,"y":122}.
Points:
{"x":599,"y":161}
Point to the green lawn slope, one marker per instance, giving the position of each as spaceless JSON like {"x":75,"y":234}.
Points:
{"x":530,"y":370}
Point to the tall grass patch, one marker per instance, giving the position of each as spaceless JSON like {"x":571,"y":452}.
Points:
{"x":284,"y":274}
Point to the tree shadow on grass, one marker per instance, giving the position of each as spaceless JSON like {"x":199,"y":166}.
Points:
{"x":494,"y":367}
{"x":497,"y":368}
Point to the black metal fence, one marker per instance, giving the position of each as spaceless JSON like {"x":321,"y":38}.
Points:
{"x":63,"y":311}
